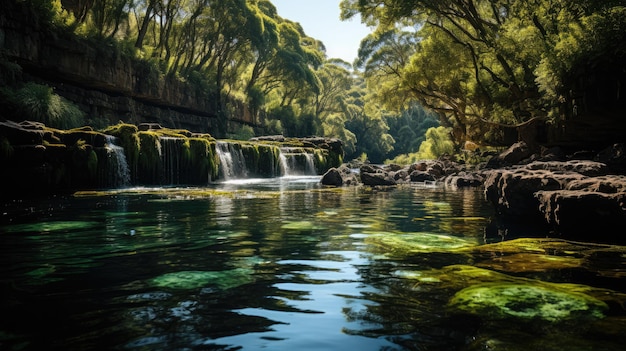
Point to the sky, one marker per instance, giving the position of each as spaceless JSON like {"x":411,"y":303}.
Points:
{"x":320,"y":20}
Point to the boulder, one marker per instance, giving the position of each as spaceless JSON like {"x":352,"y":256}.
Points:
{"x":339,"y":177}
{"x":512,"y":156}
{"x":332,"y":177}
{"x":574,"y":197}
{"x":377,"y":179}
{"x":591,"y":206}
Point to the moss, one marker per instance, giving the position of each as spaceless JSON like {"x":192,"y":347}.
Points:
{"x":528,"y":262}
{"x":129,"y":140}
{"x":201,"y":162}
{"x":70,"y":137}
{"x":92,"y":164}
{"x":301,"y":226}
{"x":185,"y":280}
{"x":149,"y":162}
{"x":526,"y":302}
{"x":418,"y":242}
{"x":489,"y":294}
{"x":269,"y":160}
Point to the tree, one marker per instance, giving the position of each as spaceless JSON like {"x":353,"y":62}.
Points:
{"x":482,"y":62}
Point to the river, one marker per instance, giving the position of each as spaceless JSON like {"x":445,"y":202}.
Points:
{"x":286,"y":264}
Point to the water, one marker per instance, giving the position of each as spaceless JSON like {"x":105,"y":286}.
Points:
{"x":119,"y":171}
{"x":297,"y":162}
{"x":232,"y":161}
{"x":285,"y":264}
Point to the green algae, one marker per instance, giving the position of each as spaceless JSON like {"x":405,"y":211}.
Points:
{"x":493,"y":295}
{"x":529,"y":262}
{"x":301,"y":226}
{"x":49,"y":227}
{"x":186,"y":280}
{"x":526,"y":302}
{"x":418,"y":242}
{"x":545,"y":254}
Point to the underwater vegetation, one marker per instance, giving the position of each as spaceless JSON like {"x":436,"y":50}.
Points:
{"x":418,"y":242}
{"x":526,"y":302}
{"x":186,"y":280}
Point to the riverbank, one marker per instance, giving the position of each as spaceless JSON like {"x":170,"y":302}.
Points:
{"x":579,"y":196}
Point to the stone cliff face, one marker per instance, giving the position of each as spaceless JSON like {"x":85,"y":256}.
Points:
{"x":101,"y":81}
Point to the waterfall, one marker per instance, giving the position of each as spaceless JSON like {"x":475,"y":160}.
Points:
{"x":171,"y":154}
{"x":296,"y":161}
{"x":232,"y":161}
{"x":119,"y":176}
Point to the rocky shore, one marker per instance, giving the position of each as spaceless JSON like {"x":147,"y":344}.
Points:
{"x":581,"y":196}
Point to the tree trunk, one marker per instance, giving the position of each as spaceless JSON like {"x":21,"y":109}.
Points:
{"x":144,"y":25}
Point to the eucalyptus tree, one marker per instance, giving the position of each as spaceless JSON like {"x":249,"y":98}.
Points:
{"x":293,"y":66}
{"x":408,"y":128}
{"x":479,"y":63}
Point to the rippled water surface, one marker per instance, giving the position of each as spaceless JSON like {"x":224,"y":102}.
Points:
{"x":284,"y":264}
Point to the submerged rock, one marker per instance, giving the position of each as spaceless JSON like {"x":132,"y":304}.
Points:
{"x":198,"y":279}
{"x":418,"y":242}
{"x":526,"y":302}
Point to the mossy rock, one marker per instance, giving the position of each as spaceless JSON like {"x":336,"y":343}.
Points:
{"x":526,"y":302}
{"x":544,"y":254}
{"x":528,"y":262}
{"x":71,"y":137}
{"x":129,"y":140}
{"x":301,"y":226}
{"x":418,"y":242}
{"x":185,"y":280}
{"x":149,"y":161}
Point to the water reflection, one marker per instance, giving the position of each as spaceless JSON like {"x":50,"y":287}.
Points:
{"x":286,"y":264}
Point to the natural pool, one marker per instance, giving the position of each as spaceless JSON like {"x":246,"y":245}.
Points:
{"x":285,"y":264}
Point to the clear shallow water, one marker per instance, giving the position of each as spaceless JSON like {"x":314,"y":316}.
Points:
{"x":284,"y":264}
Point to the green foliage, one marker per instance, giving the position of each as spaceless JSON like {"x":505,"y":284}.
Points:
{"x":438,"y":143}
{"x":408,"y":128}
{"x":478,"y":64}
{"x":9,"y":71}
{"x":243,"y":132}
{"x":292,"y":124}
{"x":39,"y":103}
{"x":273,"y":127}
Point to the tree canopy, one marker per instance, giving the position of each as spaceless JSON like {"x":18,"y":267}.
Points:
{"x":469,"y":66}
{"x":484,"y":63}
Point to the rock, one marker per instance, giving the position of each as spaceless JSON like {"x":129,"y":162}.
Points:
{"x":584,"y":167}
{"x":24,"y":133}
{"x":377,"y":179}
{"x":332,"y":177}
{"x":511,"y":191}
{"x":464,"y":179}
{"x":614,"y":157}
{"x":421,"y":176}
{"x":574,"y":197}
{"x":273,"y":138}
{"x":339,"y":177}
{"x":591,"y":205}
{"x":149,"y":126}
{"x":512,"y":156}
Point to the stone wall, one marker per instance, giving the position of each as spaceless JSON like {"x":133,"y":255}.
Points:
{"x":100,"y":80}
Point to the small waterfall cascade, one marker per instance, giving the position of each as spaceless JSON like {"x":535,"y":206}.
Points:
{"x":171,"y":160}
{"x":297,"y":161}
{"x":232,"y":161}
{"x":118,"y":174}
